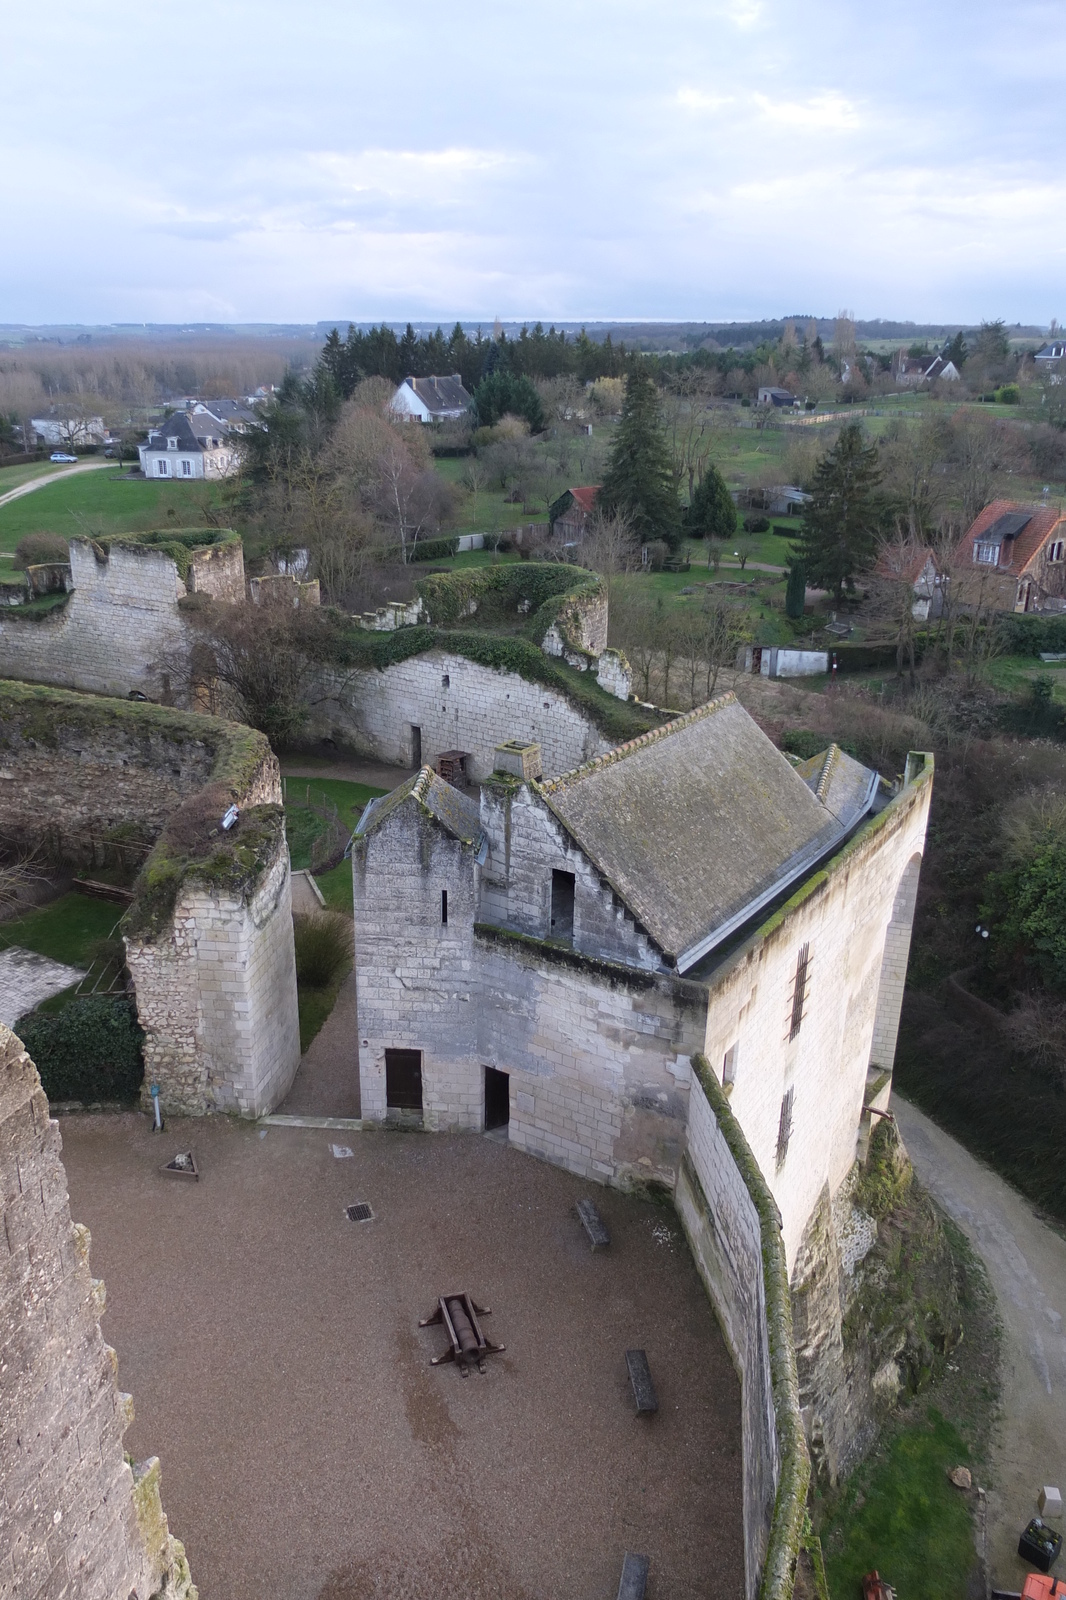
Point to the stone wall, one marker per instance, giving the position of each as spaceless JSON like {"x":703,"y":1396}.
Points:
{"x":722,"y":1224}
{"x":457,"y":704}
{"x":78,"y":1522}
{"x":120,"y":620}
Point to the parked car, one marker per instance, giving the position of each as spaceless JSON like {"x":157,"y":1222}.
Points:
{"x":61,"y":455}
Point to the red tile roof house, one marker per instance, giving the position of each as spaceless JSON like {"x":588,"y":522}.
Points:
{"x":569,"y":515}
{"x":918,"y":568}
{"x":1013,"y":558}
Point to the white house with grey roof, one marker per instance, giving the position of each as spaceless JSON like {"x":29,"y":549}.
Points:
{"x":189,"y":446}
{"x":550,"y":958}
{"x":431,"y":400}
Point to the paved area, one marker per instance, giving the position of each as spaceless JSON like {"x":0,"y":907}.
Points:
{"x":327,"y":1080}
{"x":310,"y":1452}
{"x":52,"y":477}
{"x":27,"y":978}
{"x":1026,"y":1263}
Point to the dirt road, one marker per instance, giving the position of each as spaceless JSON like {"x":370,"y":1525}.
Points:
{"x":52,"y":477}
{"x":1026,"y":1262}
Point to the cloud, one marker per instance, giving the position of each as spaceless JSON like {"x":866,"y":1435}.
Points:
{"x":822,"y":112}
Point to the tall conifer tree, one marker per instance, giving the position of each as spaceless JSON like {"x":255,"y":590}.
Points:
{"x":639,"y":480}
{"x":840,"y":529}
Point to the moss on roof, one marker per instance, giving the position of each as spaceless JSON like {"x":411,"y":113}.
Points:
{"x":441,"y":800}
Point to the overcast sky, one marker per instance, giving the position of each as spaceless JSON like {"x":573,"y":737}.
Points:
{"x":254,"y":160}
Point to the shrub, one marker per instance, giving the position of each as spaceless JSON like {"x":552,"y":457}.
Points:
{"x":324,"y":947}
{"x":91,"y":1050}
{"x":1008,"y":395}
{"x":36,"y":548}
{"x":756,"y":524}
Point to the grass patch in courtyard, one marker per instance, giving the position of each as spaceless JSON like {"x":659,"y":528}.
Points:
{"x":303,"y":824}
{"x":336,"y":886}
{"x":67,"y":930}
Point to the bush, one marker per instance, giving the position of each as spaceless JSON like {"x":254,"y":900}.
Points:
{"x":35,"y":548}
{"x":89,"y":1051}
{"x":1009,"y":395}
{"x":756,"y":524}
{"x":435,"y":549}
{"x":324,"y":948}
{"x":1028,"y":636}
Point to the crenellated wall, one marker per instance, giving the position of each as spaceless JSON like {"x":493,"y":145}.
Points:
{"x":77,"y":1522}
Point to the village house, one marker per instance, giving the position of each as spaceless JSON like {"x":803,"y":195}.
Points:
{"x":910,"y":371}
{"x":69,"y":431}
{"x":569,"y":515}
{"x":431,"y":400}
{"x":1013,"y":558}
{"x":187,"y":446}
{"x":920,"y":571}
{"x":1049,"y":354}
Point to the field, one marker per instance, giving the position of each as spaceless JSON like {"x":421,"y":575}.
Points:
{"x":12,"y":477}
{"x":93,"y":503}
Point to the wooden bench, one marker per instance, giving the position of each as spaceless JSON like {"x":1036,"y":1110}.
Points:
{"x":593,"y":1224}
{"x":640,"y":1378}
{"x":634,"y":1579}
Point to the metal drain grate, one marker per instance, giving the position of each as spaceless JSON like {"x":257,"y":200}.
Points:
{"x":360,"y":1212}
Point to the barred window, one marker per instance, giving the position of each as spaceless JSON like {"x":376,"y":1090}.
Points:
{"x":799,"y":990}
{"x":784,"y":1126}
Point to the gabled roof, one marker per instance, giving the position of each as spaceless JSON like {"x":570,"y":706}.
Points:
{"x":841,"y":783}
{"x":440,"y":394}
{"x":903,"y":564}
{"x":455,"y":812}
{"x":176,"y":427}
{"x":699,"y":824}
{"x":1026,"y":533}
{"x":586,"y":497}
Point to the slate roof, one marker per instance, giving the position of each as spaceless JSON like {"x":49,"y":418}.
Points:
{"x":454,"y":811}
{"x":1040,"y":522}
{"x":700,"y":823}
{"x":843,"y":785}
{"x":176,"y":427}
{"x":441,"y":394}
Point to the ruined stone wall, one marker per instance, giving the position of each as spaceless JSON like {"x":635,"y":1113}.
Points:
{"x":216,"y":996}
{"x":475,"y":710}
{"x":78,"y":1523}
{"x":722,"y":1224}
{"x":120,"y":619}
{"x":842,"y":914}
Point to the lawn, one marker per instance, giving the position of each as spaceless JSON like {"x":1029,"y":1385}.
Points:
{"x":11,"y":477}
{"x":67,"y":930}
{"x":99,"y":502}
{"x":904,"y":1517}
{"x":488,"y":509}
{"x":304,"y":825}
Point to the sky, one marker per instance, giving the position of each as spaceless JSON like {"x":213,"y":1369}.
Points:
{"x":704,"y":160}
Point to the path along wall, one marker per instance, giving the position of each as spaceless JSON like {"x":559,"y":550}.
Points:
{"x":209,"y":939}
{"x":78,"y":1522}
{"x":734,"y":1231}
{"x":121,"y":617}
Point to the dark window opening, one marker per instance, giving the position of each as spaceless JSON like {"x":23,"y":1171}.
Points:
{"x":416,"y":746}
{"x":403,"y":1079}
{"x":799,"y":990}
{"x":445,"y":681}
{"x":444,"y":907}
{"x":497,"y":1099}
{"x":562,"y":921}
{"x":784,"y":1126}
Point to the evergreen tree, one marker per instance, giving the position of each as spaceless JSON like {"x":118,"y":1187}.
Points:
{"x":639,"y":476}
{"x":503,"y":393}
{"x":711,"y":512}
{"x":841,"y":524}
{"x":796,"y":591}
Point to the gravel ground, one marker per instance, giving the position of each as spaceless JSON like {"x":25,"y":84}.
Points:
{"x":273,"y":1351}
{"x":327,"y":1079}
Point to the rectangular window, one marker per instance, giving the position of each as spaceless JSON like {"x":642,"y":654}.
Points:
{"x":444,"y":907}
{"x":799,"y":990}
{"x":403,"y":1080}
{"x":1055,"y":550}
{"x":729,"y":1066}
{"x":186,"y":469}
{"x":562,"y":915}
{"x":784,"y":1126}
{"x":986,"y":554}
{"x":163,"y":469}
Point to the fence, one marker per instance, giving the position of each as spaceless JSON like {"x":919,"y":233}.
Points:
{"x":330,"y":843}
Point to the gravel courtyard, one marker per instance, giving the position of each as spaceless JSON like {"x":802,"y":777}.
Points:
{"x":309,"y":1451}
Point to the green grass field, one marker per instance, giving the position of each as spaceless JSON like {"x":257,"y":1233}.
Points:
{"x":67,"y":930}
{"x":12,"y":477}
{"x":97,"y":502}
{"x":303,"y":825}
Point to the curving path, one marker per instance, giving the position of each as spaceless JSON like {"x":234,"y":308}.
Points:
{"x":1026,"y":1262}
{"x":52,"y":477}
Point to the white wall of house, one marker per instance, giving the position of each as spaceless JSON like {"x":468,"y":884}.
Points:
{"x":405,"y":403}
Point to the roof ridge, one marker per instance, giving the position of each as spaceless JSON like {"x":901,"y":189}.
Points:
{"x":832,"y":756}
{"x":553,"y":785}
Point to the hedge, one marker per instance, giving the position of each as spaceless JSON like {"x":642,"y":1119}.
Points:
{"x":1028,"y":635}
{"x":89,"y":1051}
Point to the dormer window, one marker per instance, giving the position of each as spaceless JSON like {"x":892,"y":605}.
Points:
{"x":986,"y":554}
{"x":1055,"y":550}
{"x":172,"y":443}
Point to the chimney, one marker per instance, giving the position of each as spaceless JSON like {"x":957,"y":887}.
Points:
{"x":519,"y":759}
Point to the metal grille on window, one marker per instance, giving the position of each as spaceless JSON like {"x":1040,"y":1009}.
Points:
{"x":784,"y":1126}
{"x":799,"y":990}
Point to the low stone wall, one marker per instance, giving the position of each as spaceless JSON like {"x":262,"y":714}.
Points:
{"x":77,"y":1519}
{"x":734,"y":1230}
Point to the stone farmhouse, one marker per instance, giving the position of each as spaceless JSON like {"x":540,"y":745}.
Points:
{"x":431,"y":400}
{"x":187,"y":446}
{"x":1013,"y":558}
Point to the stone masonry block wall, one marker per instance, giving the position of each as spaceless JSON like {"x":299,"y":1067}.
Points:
{"x":218,"y":570}
{"x":722,"y":1224}
{"x":477,"y":709}
{"x":77,"y":1522}
{"x":842,"y":915}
